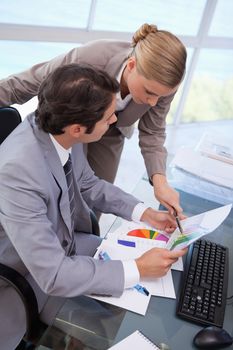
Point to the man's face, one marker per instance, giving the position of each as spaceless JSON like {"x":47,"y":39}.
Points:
{"x":102,"y":125}
{"x":145,"y":91}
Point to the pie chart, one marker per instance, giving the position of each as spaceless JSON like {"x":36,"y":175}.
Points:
{"x":150,"y":234}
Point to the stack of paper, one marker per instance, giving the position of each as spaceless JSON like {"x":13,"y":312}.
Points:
{"x":211,"y":161}
{"x":197,"y":174}
{"x":215,"y":171}
{"x":216,"y":147}
{"x":197,"y":186}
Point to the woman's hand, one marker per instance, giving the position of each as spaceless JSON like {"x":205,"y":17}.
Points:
{"x":166,"y":195}
{"x":159,"y":219}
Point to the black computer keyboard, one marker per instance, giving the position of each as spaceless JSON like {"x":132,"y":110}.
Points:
{"x":203,"y":289}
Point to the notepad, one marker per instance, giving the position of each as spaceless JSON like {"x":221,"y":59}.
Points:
{"x":136,"y":340}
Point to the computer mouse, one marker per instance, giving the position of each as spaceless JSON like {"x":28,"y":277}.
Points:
{"x":212,"y":338}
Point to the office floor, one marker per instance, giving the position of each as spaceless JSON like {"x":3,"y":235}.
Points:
{"x":132,"y":167}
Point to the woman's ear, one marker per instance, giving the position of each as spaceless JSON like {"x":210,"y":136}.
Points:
{"x":131,"y":63}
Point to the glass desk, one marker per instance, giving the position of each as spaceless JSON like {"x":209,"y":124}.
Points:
{"x":84,"y":323}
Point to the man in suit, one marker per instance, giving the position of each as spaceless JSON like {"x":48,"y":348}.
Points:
{"x":149,"y":70}
{"x":45,"y":231}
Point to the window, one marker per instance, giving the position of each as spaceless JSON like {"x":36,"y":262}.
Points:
{"x":175,"y":102}
{"x":124,"y":15}
{"x":17,"y":56}
{"x":205,"y":26}
{"x":210,"y":95}
{"x":222,"y":20}
{"x":50,"y":13}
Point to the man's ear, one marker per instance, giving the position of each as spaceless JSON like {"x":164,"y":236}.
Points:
{"x":77,"y":130}
{"x":131,"y":63}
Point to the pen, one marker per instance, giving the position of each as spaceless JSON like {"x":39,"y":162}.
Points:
{"x":104,"y":256}
{"x":141,"y":289}
{"x":178,"y":221}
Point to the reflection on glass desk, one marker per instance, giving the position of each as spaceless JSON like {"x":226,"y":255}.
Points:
{"x":84,"y":323}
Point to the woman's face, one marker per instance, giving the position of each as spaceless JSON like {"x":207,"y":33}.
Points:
{"x":144,"y":91}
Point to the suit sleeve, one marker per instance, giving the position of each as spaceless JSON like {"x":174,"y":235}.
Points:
{"x":19,"y":88}
{"x":24,"y":217}
{"x":152,"y":135}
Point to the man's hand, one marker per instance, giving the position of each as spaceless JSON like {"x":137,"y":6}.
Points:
{"x":157,"y":261}
{"x":159,"y":219}
{"x":165,"y":194}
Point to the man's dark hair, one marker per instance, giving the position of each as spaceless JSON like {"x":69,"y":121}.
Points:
{"x":74,"y":94}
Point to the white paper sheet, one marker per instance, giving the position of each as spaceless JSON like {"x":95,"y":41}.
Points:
{"x":197,"y":226}
{"x":161,"y":287}
{"x":131,"y":299}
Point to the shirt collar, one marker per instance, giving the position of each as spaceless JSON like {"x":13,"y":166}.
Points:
{"x":62,"y":152}
{"x":118,"y":77}
{"x":121,"y":103}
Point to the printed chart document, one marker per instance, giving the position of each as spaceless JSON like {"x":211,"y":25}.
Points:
{"x":143,"y":237}
{"x":156,"y":286}
{"x":136,"y":340}
{"x":197,"y":226}
{"x":131,"y":299}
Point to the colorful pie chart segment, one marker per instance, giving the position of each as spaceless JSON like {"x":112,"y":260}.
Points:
{"x":150,"y":234}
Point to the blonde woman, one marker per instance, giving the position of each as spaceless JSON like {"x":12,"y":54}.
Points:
{"x":149,"y":70}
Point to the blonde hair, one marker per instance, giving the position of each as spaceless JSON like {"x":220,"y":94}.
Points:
{"x":159,"y":54}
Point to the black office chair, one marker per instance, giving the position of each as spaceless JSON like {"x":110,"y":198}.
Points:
{"x":95,"y":224}
{"x":9,"y":120}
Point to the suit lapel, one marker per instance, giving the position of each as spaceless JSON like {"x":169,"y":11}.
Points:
{"x":55,"y":166}
{"x":131,"y":114}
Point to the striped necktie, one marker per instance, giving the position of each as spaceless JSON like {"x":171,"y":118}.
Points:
{"x":70,"y":184}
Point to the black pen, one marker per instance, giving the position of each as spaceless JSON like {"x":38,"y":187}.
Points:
{"x":178,"y":221}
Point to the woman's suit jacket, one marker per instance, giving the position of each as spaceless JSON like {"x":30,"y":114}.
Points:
{"x":35,"y":220}
{"x":108,"y":55}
